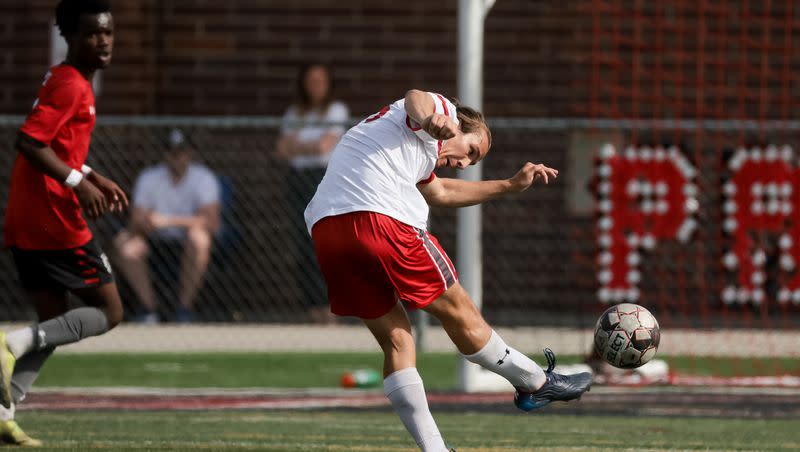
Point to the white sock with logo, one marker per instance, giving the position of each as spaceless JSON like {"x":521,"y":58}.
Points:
{"x":20,"y":341}
{"x":509,"y":363}
{"x":405,"y":390}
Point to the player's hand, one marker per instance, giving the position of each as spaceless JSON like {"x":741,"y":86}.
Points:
{"x":92,"y":200}
{"x":529,"y":174}
{"x":440,"y":127}
{"x":116,"y":199}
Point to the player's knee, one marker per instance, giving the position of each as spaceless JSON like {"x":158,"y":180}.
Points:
{"x":398,"y":341}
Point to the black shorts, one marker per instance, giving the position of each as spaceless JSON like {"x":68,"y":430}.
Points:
{"x":74,"y":268}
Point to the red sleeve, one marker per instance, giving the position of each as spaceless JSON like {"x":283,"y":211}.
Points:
{"x":58,"y":101}
{"x":412,"y":124}
{"x":428,"y":180}
{"x":445,"y":112}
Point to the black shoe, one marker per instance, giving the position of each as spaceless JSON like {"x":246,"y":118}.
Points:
{"x":556,"y":387}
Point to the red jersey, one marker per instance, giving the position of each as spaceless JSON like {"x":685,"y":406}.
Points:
{"x":42,"y":213}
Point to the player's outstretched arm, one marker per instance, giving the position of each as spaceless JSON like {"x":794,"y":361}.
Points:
{"x":443,"y":192}
{"x":42,"y":158}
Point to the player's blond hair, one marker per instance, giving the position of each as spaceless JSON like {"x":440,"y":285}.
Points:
{"x":471,"y":120}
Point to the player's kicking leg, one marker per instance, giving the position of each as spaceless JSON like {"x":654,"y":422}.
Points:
{"x":481,"y":345}
{"x":402,"y":383}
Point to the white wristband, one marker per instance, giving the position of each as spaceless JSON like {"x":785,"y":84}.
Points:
{"x":86,"y":169}
{"x":75,"y":177}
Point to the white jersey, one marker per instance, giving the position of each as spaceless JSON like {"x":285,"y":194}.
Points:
{"x":377,"y":165}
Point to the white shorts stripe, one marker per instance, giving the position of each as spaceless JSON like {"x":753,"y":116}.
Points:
{"x":444,"y":280}
{"x":439,"y":259}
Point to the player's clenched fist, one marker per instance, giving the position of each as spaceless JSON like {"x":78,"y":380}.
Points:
{"x":530,"y":173}
{"x":440,"y":127}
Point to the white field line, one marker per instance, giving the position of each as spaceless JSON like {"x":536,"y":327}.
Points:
{"x":356,"y":338}
{"x":360,"y":393}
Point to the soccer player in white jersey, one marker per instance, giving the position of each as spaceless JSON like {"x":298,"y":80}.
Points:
{"x":368,"y":222}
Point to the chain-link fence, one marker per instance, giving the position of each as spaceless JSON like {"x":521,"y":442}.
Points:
{"x":262,"y":268}
{"x":539,"y":247}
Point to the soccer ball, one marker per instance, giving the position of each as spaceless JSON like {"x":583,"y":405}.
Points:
{"x":626,"y":336}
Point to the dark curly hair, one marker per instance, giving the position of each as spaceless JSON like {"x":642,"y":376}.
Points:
{"x":68,"y":13}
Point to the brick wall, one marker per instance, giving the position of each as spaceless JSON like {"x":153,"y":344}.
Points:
{"x":241,"y":57}
{"x":543,"y":58}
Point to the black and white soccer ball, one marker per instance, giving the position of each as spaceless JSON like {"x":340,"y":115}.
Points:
{"x":626,"y":336}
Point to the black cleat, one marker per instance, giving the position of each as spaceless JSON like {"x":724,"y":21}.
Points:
{"x":556,"y":387}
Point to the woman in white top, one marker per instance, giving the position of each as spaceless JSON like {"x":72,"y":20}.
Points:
{"x":312,"y":126}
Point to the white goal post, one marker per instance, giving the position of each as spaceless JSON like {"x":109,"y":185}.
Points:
{"x":471,"y":15}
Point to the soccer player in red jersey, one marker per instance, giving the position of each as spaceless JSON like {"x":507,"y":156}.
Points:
{"x":51,"y":189}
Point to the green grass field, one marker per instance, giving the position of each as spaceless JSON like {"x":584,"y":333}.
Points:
{"x":303,"y":370}
{"x":382,"y":431}
{"x":375,"y":429}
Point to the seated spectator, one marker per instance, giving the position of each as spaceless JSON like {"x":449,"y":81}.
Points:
{"x":306,"y":143}
{"x":177,"y":201}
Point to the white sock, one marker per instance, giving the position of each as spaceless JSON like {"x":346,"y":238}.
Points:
{"x":404,"y":389}
{"x":507,"y":362}
{"x":7,"y":414}
{"x":20,"y":341}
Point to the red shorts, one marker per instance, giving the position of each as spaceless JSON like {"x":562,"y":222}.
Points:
{"x":371,"y":260}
